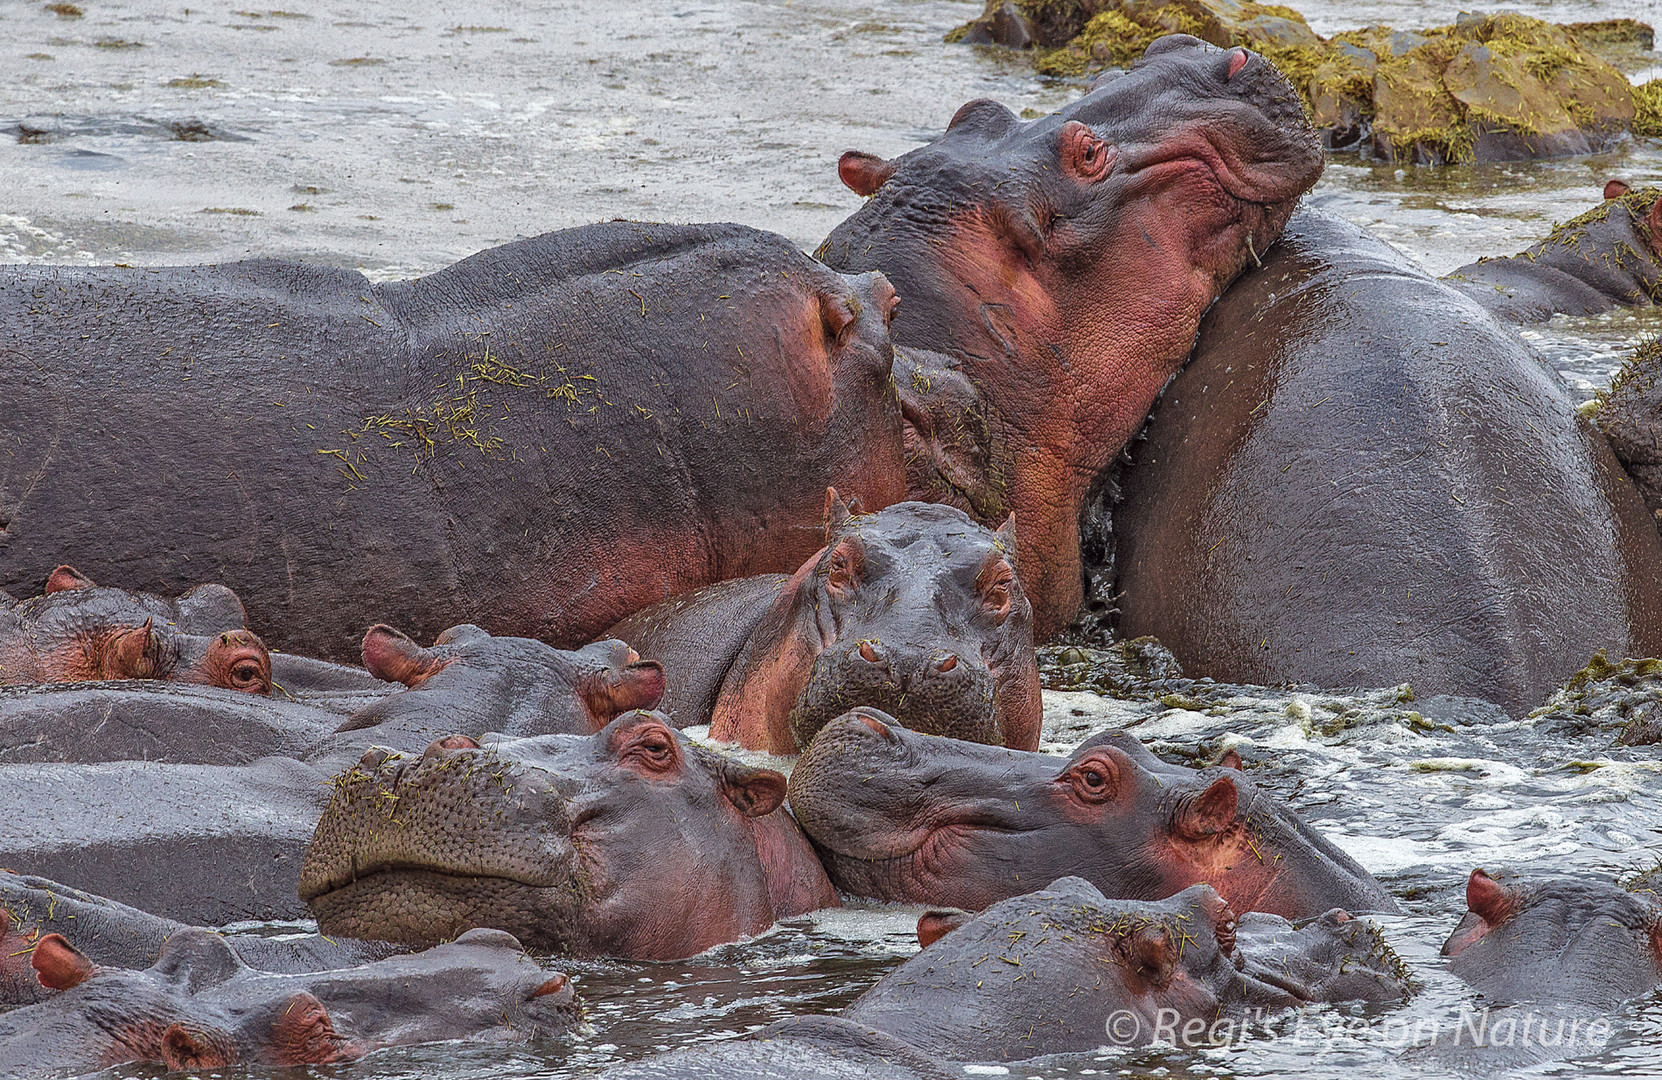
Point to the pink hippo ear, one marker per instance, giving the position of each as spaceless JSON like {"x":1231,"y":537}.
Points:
{"x":935,"y":925}
{"x":609,"y":694}
{"x":837,"y":512}
{"x":303,"y":1034}
{"x":1085,"y":157}
{"x":1211,"y":812}
{"x":65,"y":579}
{"x":392,"y":657}
{"x":1230,"y":760}
{"x":1488,"y":899}
{"x":863,"y":173}
{"x":134,"y":652}
{"x":189,"y":1046}
{"x":1615,"y":189}
{"x":59,"y":965}
{"x":755,"y":792}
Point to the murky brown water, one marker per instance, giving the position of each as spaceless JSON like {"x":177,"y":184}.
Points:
{"x":399,"y":136}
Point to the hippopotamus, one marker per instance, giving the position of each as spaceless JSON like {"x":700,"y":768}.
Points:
{"x":906,"y":817}
{"x":472,"y":681}
{"x":1629,"y":414}
{"x":1060,"y":266}
{"x":76,"y":631}
{"x":631,"y":842}
{"x":539,"y":440}
{"x":1362,"y":479}
{"x":112,"y":934}
{"x":915,"y":610}
{"x":199,"y":1006}
{"x":1609,"y":257}
{"x":1063,"y":970}
{"x":1548,"y":959}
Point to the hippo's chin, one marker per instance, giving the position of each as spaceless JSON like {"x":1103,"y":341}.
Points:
{"x":422,"y":907}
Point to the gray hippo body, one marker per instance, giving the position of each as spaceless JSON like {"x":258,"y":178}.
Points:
{"x":1362,"y":480}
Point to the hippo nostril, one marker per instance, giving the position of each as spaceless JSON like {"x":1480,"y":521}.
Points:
{"x":945,"y":664}
{"x":439,"y":747}
{"x":869,"y":653}
{"x":876,"y":725}
{"x":552,"y":986}
{"x":1237,"y":60}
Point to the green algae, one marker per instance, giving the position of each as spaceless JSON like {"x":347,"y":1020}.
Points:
{"x":1647,"y":109}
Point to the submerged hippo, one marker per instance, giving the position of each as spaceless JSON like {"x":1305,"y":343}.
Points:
{"x":915,"y":610}
{"x":1609,"y":257}
{"x":1063,"y":970}
{"x":199,"y":1006}
{"x":77,"y":631}
{"x":1059,"y":267}
{"x":471,"y":681}
{"x":1361,"y":479}
{"x":539,"y":439}
{"x":907,"y":817}
{"x":631,"y":842}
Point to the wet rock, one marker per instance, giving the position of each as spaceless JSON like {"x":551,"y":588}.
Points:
{"x":1623,"y":697}
{"x":1003,"y":23}
{"x":1138,"y":669}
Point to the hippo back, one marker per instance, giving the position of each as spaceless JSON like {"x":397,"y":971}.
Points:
{"x":1361,"y":479}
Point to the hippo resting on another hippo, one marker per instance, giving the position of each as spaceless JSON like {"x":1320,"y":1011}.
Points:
{"x":539,"y":439}
{"x":906,"y":817}
{"x":1609,"y":257}
{"x":200,"y":1007}
{"x":1056,"y":270}
{"x":77,"y":631}
{"x":1058,"y":971}
{"x":630,"y":842}
{"x":1361,"y":479}
{"x":915,"y":609}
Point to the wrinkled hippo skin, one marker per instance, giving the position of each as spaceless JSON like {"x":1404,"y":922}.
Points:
{"x":473,"y":682}
{"x":200,"y":1006}
{"x":116,"y":935}
{"x":630,"y":842}
{"x":76,"y":631}
{"x":905,"y":817}
{"x":801,"y":1048}
{"x":1607,"y":258}
{"x":539,"y":439}
{"x":1630,"y":415}
{"x":203,"y":844}
{"x":1063,"y":263}
{"x":1548,"y":958}
{"x":915,"y":610}
{"x":1362,"y":480}
{"x":1069,"y":959}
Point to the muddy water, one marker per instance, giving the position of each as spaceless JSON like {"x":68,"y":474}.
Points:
{"x":397,"y":137}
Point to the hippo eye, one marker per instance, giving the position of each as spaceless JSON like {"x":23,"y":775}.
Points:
{"x":655,"y":750}
{"x":1093,"y":779}
{"x":246,"y":673}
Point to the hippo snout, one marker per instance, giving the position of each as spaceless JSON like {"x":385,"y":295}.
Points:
{"x":929,"y":688}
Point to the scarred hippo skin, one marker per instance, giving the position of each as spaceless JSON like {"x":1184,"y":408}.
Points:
{"x":77,"y":631}
{"x":1361,"y":479}
{"x":1549,"y":959}
{"x":472,"y":682}
{"x":1065,"y":262}
{"x":204,"y":844}
{"x":539,"y":439}
{"x":630,"y":842}
{"x":199,"y":1006}
{"x":1609,"y":257}
{"x":915,"y":610}
{"x":116,"y":935}
{"x":1630,"y":415}
{"x":1068,"y":959}
{"x":906,"y":817}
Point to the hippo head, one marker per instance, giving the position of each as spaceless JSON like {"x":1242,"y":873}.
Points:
{"x":631,"y":842}
{"x":901,"y":816}
{"x":1583,"y":941}
{"x":1066,"y":969}
{"x":475,"y":682}
{"x":1067,"y":260}
{"x":915,"y":610}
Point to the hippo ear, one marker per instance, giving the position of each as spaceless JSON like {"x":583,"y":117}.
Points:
{"x":935,"y":925}
{"x":134,"y":652}
{"x":864,"y":173}
{"x":1083,"y":153}
{"x":65,"y":579}
{"x":755,"y":792}
{"x":1488,"y":899}
{"x":392,"y":657}
{"x":610,"y":694}
{"x":1230,"y":759}
{"x":59,"y":965}
{"x":1006,"y":537}
{"x":303,"y":1034}
{"x":1615,"y":189}
{"x":193,"y":1047}
{"x":1209,"y":813}
{"x":838,"y":512}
